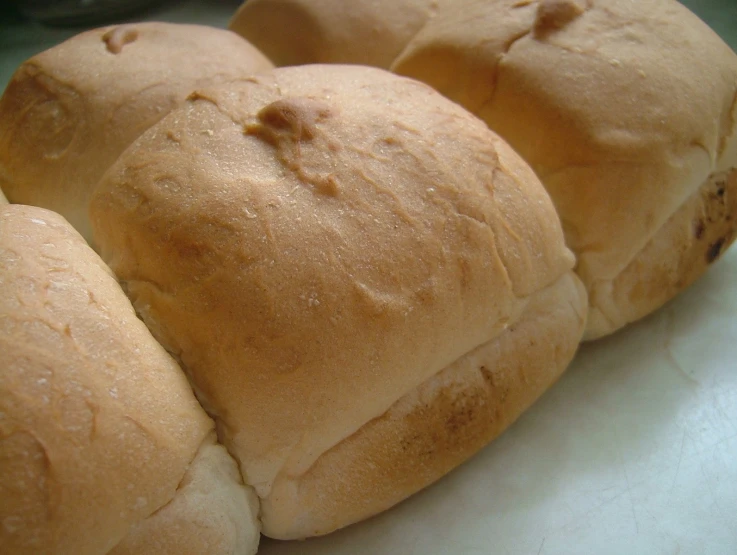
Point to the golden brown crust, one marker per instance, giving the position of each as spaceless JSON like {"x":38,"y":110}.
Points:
{"x":70,"y":111}
{"x":297,"y":32}
{"x":437,"y":426}
{"x":98,"y":422}
{"x":320,"y":241}
{"x":622,"y":108}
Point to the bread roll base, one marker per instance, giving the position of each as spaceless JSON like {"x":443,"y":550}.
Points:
{"x":679,"y":253}
{"x":436,"y":427}
{"x":211,"y":512}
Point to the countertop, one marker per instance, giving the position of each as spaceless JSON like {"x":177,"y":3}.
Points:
{"x":633,"y":452}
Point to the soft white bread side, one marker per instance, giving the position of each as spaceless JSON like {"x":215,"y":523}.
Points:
{"x":3,"y":200}
{"x":296,"y":32}
{"x":211,"y":513}
{"x":317,"y":243}
{"x":99,"y":425}
{"x":70,"y":111}
{"x":626,"y":110}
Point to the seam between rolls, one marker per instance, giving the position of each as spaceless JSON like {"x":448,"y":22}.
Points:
{"x":497,"y":65}
{"x":433,"y":12}
{"x":175,"y":352}
{"x":282,"y":474}
{"x":180,"y":485}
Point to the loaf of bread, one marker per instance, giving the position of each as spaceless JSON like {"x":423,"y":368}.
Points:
{"x":69,"y":112}
{"x":627,"y":111}
{"x":364,"y":283}
{"x":103,"y":446}
{"x":3,"y":200}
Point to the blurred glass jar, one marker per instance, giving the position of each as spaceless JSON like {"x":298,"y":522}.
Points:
{"x":82,"y":12}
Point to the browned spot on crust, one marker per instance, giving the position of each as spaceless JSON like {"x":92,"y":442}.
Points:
{"x":295,"y":117}
{"x":698,"y":229}
{"x":556,"y":14}
{"x":715,"y":249}
{"x":115,"y":39}
{"x":693,"y":239}
{"x":287,"y":124}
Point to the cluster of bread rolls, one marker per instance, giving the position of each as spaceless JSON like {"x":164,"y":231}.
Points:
{"x":320,"y":288}
{"x":627,"y":112}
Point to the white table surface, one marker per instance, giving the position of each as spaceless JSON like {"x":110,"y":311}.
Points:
{"x":633,"y":452}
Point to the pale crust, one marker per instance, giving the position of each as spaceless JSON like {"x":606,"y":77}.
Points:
{"x":70,"y":111}
{"x":3,"y":200}
{"x":296,"y":32}
{"x":315,"y":243}
{"x":99,"y":424}
{"x":437,"y":426}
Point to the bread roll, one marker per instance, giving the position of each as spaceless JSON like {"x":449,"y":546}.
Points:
{"x":70,"y":111}
{"x":626,"y":110}
{"x":100,"y":432}
{"x":294,"y":32}
{"x":365,"y":284}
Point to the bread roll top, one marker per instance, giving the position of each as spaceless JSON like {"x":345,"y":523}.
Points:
{"x":70,"y":111}
{"x":315,"y":243}
{"x":625,"y":110}
{"x":622,"y":108}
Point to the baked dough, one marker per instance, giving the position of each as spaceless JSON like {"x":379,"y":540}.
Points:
{"x":69,"y":112}
{"x":626,"y":110}
{"x":353,"y":270}
{"x":101,"y":438}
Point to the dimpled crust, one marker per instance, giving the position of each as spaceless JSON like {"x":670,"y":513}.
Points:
{"x":626,"y":111}
{"x":296,"y":32}
{"x":315,"y":244}
{"x":69,"y":112}
{"x":98,"y":424}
